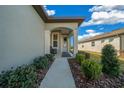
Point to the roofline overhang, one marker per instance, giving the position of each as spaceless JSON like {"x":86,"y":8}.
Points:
{"x":103,"y":37}
{"x":42,"y":13}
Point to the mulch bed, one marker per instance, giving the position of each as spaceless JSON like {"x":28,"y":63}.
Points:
{"x":103,"y":82}
{"x":41,"y":73}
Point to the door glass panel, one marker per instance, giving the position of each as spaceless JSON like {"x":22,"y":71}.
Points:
{"x":55,"y":37}
{"x":55,"y":43}
{"x":65,"y":39}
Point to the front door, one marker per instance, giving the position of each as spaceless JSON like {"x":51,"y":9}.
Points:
{"x":55,"y":41}
{"x":65,"y":45}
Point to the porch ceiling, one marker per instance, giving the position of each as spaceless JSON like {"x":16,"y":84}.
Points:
{"x":64,"y":31}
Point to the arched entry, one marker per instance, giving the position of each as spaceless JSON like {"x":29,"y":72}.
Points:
{"x":59,"y":39}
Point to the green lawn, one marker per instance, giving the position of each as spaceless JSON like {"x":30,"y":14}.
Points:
{"x":97,"y":57}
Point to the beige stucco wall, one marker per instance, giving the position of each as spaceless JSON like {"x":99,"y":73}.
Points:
{"x":47,"y":41}
{"x":98,"y":45}
{"x":52,"y":26}
{"x":21,"y":36}
{"x":122,"y":42}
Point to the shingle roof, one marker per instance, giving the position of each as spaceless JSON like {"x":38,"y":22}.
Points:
{"x":109,"y":34}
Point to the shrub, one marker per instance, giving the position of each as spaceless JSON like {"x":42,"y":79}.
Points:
{"x":41,"y":62}
{"x":91,"y":69}
{"x":22,"y":77}
{"x":110,"y":61}
{"x":80,"y":58}
{"x":87,"y":55}
{"x":50,"y":57}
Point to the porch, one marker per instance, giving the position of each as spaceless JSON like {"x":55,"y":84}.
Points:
{"x":61,"y":38}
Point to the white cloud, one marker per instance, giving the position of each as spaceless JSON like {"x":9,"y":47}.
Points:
{"x":49,"y":12}
{"x":101,"y":28}
{"x":98,"y":8}
{"x":80,"y":37}
{"x":106,"y":15}
{"x":90,"y":33}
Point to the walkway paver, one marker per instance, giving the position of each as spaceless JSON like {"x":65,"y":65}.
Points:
{"x":59,"y":75}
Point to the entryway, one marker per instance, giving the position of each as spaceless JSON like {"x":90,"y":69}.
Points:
{"x":65,"y":44}
{"x":60,"y":39}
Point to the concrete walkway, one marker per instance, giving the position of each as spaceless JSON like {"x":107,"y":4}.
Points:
{"x":59,"y":75}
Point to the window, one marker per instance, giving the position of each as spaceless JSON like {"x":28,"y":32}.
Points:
{"x":92,"y":43}
{"x":103,"y":40}
{"x":111,"y":39}
{"x":55,"y":37}
{"x":82,"y":46}
{"x":55,"y":43}
{"x":65,"y":39}
{"x":55,"y":40}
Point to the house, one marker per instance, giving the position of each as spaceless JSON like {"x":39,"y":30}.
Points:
{"x":96,"y":43}
{"x":27,"y":32}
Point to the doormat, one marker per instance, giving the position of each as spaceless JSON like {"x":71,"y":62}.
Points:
{"x":65,"y":54}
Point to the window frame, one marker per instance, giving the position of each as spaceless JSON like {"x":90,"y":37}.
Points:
{"x":103,"y":40}
{"x":111,"y":39}
{"x":55,"y":39}
{"x":93,"y":43}
{"x":82,"y":46}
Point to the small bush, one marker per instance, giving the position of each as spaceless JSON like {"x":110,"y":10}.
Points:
{"x":22,"y":77}
{"x":87,"y":55}
{"x":41,"y":62}
{"x":110,"y":61}
{"x":50,"y":57}
{"x":91,"y":69}
{"x":80,"y":57}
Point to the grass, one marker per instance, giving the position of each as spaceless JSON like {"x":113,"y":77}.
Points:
{"x":97,"y":57}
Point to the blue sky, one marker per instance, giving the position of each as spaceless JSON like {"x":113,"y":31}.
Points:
{"x":98,"y":19}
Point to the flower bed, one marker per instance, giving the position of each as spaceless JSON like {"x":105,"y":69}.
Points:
{"x":104,"y":81}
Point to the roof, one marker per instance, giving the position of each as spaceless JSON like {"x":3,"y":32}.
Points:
{"x":42,"y":13}
{"x":109,"y":34}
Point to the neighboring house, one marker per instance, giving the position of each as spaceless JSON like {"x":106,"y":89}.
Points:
{"x":96,"y":43}
{"x":27,"y":32}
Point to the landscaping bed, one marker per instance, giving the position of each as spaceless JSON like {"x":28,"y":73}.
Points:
{"x":105,"y":81}
{"x":28,"y":75}
{"x":41,"y":74}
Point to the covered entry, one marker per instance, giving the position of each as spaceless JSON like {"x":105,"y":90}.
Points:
{"x":60,"y":39}
{"x":58,"y":34}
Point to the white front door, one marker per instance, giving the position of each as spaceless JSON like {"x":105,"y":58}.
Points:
{"x":65,"y":44}
{"x":55,"y":41}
